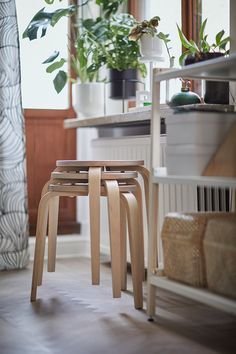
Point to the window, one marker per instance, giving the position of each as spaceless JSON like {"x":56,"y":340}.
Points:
{"x":217,"y":13}
{"x":37,"y":86}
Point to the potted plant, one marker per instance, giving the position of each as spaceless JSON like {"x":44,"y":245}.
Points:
{"x":151,"y":41}
{"x":121,"y":55}
{"x":97,"y":43}
{"x":215,"y":91}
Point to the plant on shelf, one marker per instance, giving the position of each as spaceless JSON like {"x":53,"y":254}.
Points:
{"x":203,"y":50}
{"x":215,"y":92}
{"x":120,"y":54}
{"x":150,"y":39}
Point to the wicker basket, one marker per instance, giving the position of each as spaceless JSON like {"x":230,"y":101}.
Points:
{"x":220,"y":255}
{"x":182,"y":238}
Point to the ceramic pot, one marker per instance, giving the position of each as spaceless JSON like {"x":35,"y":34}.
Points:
{"x":184,"y":97}
{"x":150,"y":46}
{"x":123,"y":83}
{"x":216,"y":92}
{"x":88,"y":99}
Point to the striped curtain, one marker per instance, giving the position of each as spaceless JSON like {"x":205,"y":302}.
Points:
{"x":13,"y":198}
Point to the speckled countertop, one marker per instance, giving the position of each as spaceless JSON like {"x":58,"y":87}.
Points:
{"x":132,"y":118}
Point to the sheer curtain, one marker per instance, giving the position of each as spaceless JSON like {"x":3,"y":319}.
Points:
{"x":13,"y":197}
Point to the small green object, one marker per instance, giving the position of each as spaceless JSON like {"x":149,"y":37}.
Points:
{"x":147,"y":103}
{"x":184,"y":97}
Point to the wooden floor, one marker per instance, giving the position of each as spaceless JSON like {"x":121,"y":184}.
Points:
{"x":73,"y":317}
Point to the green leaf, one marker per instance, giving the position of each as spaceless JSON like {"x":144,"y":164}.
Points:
{"x":163,"y":36}
{"x":194,"y":45}
{"x":58,"y":14}
{"x":55,"y":66}
{"x":183,"y":39}
{"x":41,"y":20}
{"x":60,"y":81}
{"x":52,"y":57}
{"x":183,"y":56}
{"x":219,"y":36}
{"x":223,"y":43}
{"x":88,"y":24}
{"x":202,"y":29}
{"x":205,"y":46}
{"x":109,"y":7}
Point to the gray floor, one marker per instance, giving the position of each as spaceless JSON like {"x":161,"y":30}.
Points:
{"x":71,"y":316}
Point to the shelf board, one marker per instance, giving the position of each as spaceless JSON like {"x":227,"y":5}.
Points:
{"x":201,"y":295}
{"x":220,"y":69}
{"x":161,"y":176}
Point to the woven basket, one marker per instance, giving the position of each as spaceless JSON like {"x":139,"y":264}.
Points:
{"x":182,"y":238}
{"x":220,"y":255}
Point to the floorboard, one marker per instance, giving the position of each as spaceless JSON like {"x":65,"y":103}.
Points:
{"x":72,"y":316}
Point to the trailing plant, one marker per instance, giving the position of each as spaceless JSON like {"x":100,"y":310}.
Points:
{"x":194,"y":49}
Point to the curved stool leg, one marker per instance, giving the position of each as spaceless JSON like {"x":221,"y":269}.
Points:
{"x":52,"y":232}
{"x":94,"y":185}
{"x":134,"y":239}
{"x":52,"y":229}
{"x":123,"y":245}
{"x":113,"y":197}
{"x":145,"y":175}
{"x":40,"y":243}
{"x":138,"y":195}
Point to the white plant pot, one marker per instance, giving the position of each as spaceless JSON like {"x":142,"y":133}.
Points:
{"x":88,"y":99}
{"x":151,"y":46}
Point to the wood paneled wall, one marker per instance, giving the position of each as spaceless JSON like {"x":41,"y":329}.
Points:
{"x":47,"y":141}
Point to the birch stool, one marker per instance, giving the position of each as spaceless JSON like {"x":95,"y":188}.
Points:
{"x":97,"y":178}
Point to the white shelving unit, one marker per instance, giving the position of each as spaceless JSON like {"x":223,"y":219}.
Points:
{"x":221,"y":69}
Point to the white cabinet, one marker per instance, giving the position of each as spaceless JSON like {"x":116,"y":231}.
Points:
{"x":218,"y":69}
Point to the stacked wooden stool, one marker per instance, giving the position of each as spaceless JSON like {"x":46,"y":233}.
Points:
{"x":116,"y":180}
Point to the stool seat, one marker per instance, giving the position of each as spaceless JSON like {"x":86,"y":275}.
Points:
{"x":99,"y":163}
{"x":104,"y":175}
{"x":85,"y":189}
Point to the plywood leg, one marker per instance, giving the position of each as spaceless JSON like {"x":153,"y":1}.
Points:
{"x":152,"y":249}
{"x":113,"y":196}
{"x":134,"y":239}
{"x":123,"y":245}
{"x":138,"y":195}
{"x":146,"y":177}
{"x":40,"y":244}
{"x":151,"y":300}
{"x":94,"y":210}
{"x":52,"y":232}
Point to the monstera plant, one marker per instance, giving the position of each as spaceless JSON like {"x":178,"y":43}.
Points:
{"x":98,"y":42}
